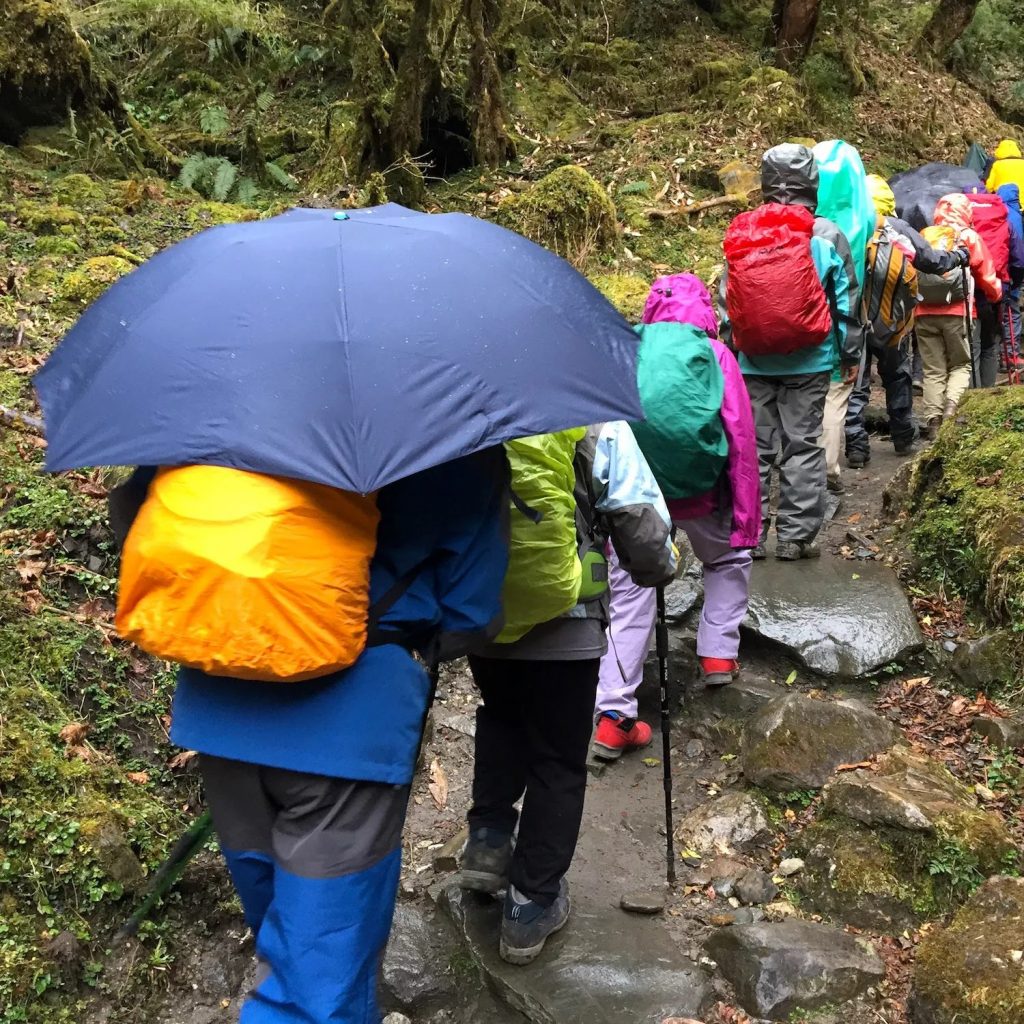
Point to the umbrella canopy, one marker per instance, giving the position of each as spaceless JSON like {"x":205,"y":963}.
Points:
{"x":351,"y":349}
{"x":918,"y":191}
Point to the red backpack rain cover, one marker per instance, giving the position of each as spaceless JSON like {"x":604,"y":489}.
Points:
{"x":992,"y":222}
{"x":774,"y":297}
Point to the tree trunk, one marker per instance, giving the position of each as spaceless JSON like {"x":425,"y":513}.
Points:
{"x":949,"y":21}
{"x":490,"y":140}
{"x":793,"y":26}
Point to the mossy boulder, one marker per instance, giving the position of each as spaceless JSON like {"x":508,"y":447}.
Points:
{"x":209,"y":214}
{"x":49,"y":218}
{"x":567,"y":211}
{"x":77,"y":190}
{"x":964,"y":508}
{"x":92,"y":279}
{"x":57,"y":245}
{"x":626,"y":292}
{"x":973,"y":971}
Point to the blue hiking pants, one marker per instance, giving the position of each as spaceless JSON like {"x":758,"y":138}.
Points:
{"x":316,"y":864}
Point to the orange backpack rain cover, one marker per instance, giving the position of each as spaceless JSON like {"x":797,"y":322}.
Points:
{"x":250,"y":576}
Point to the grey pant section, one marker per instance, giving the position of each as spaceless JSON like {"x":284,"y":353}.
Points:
{"x":313,"y":826}
{"x":985,"y":344}
{"x":789,"y":413}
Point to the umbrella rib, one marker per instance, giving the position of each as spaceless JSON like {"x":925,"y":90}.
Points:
{"x":345,"y":341}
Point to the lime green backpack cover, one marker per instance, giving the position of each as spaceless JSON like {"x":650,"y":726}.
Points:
{"x":681,"y":388}
{"x":544,"y":574}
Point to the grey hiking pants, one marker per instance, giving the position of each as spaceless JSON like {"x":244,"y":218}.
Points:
{"x":316,"y":862}
{"x":789,"y":414}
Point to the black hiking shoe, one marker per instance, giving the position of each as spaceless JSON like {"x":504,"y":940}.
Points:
{"x":858,"y":460}
{"x":905,"y":447}
{"x":794,"y":550}
{"x":760,"y":553}
{"x":485,"y":861}
{"x":525,"y":927}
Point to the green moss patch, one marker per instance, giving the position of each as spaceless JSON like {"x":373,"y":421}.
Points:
{"x":93,"y":278}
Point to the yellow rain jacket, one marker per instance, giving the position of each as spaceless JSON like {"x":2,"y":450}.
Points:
{"x":882,"y":196}
{"x":1008,"y":167}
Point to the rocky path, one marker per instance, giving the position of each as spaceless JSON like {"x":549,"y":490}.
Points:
{"x":815,"y":836}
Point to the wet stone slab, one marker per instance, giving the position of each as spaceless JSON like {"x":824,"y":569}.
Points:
{"x":838,"y":617}
{"x":605,"y":966}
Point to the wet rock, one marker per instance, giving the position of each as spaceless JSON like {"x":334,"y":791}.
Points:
{"x":797,"y":742}
{"x":650,"y":901}
{"x":908,"y":791}
{"x":682,"y":596}
{"x":980,"y":663}
{"x":220,"y":972}
{"x":627,"y":965}
{"x":417,"y":957}
{"x":694,"y":749}
{"x":741,"y":698}
{"x":1000,"y":732}
{"x":396,"y":1018}
{"x":791,"y":866}
{"x":779,"y":968}
{"x":64,"y":952}
{"x":973,"y":971}
{"x":755,"y":888}
{"x":732,"y":819}
{"x":830,"y":621}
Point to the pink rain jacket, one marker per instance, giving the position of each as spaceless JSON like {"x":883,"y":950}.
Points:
{"x":682,"y":298}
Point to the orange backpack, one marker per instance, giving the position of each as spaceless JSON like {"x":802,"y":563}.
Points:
{"x":250,"y":576}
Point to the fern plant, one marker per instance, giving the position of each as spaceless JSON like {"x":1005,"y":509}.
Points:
{"x":217,"y":178}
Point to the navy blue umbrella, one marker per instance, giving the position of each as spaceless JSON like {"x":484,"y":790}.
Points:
{"x":350,"y":349}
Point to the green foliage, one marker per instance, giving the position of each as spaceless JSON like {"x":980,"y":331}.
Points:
{"x":214,"y":120}
{"x":989,"y":53}
{"x":215,"y":177}
{"x":957,"y":868}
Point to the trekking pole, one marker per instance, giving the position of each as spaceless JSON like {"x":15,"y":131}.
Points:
{"x":169,"y":872}
{"x":661,"y":643}
{"x":14,"y":418}
{"x":969,"y":328}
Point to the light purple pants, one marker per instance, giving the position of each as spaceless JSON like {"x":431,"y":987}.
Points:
{"x":633,"y":610}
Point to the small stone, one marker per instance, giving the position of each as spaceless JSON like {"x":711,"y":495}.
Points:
{"x":644,"y":902}
{"x":724,"y":887}
{"x":689,"y":861}
{"x":407,"y":890}
{"x":694,"y":749}
{"x":1000,"y":732}
{"x":446,"y":859}
{"x":397,"y":1018}
{"x":984,"y":793}
{"x":756,"y":887}
{"x":949,"y":646}
{"x":780,"y":910}
{"x":791,"y":866}
{"x":732,"y":819}
{"x":95,"y":563}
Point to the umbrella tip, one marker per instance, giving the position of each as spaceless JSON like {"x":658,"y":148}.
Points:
{"x":341,"y":215}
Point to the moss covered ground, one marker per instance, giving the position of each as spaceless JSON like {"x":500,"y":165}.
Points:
{"x":631,"y":107}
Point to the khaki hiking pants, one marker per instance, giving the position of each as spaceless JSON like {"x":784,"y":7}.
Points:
{"x":834,"y":432}
{"x":946,"y":357}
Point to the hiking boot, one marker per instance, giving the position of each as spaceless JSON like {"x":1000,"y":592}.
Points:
{"x":931,"y":432}
{"x":485,"y":861}
{"x":616,"y":734}
{"x":760,"y":553}
{"x":905,"y":447}
{"x":835,"y":485}
{"x":794,"y":550}
{"x":526,"y":926}
{"x":950,"y":411}
{"x":858,"y":460}
{"x":718,"y":671}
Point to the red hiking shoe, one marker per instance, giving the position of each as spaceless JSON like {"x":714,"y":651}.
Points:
{"x":718,"y":671}
{"x":616,"y":734}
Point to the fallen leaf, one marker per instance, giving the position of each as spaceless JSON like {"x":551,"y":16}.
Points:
{"x":139,"y":778}
{"x":29,"y":571}
{"x":33,"y":601}
{"x":853,"y":767}
{"x":990,"y":481}
{"x":81,"y":752}
{"x":651,"y":762}
{"x":95,"y":609}
{"x":791,"y":678}
{"x":73,"y":733}
{"x":438,"y":785}
{"x":182,"y":759}
{"x":855,"y":518}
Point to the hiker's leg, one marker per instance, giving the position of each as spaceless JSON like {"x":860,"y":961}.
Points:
{"x":991,"y":333}
{"x":337,"y":854}
{"x":631,"y":614}
{"x":894,"y":369}
{"x":726,"y":585}
{"x":764,"y":393}
{"x":559,"y":696}
{"x":802,"y":473}
{"x":857,"y":440}
{"x":837,"y":402}
{"x":244,"y":819}
{"x":502,"y":744}
{"x":931,"y":340}
{"x":958,"y":358}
